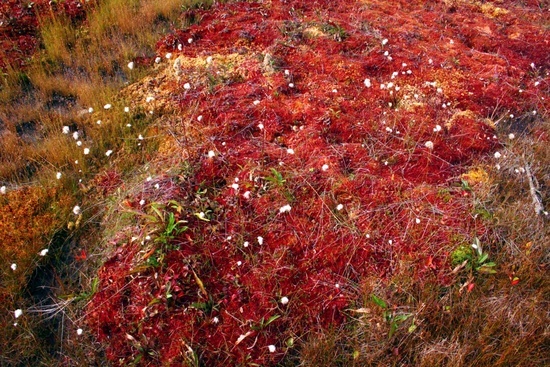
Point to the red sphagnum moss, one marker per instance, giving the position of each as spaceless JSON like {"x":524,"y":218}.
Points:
{"x":370,"y":169}
{"x":19,"y":26}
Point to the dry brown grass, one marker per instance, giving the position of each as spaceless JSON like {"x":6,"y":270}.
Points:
{"x":79,"y":66}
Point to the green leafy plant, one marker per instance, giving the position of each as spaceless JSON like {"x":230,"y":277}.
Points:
{"x":473,"y":259}
{"x":276,"y":178}
{"x":391,"y":317}
{"x":336,"y":31}
{"x":263,"y":323}
{"x":165,"y":228}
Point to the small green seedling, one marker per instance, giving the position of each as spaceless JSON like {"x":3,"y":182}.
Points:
{"x":391,"y":317}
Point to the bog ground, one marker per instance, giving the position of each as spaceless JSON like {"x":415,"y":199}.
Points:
{"x":275,"y":183}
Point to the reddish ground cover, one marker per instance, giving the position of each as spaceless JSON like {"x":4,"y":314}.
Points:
{"x":336,"y":157}
{"x":19,"y":25}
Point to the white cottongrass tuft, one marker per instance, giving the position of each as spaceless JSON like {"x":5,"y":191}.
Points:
{"x":131,"y":65}
{"x":235,"y":186}
{"x":189,"y":40}
{"x":108,"y":153}
{"x":126,"y":109}
{"x":187,"y":86}
{"x":76,"y":135}
{"x":78,"y":331}
{"x":246,"y":244}
{"x":199,"y":118}
{"x":324,"y":167}
{"x":209,"y":60}
{"x":291,"y":85}
{"x":417,"y":220}
{"x":271,"y":348}
{"x":66,"y":130}
{"x":285,"y":209}
{"x":429,"y":144}
{"x":43,"y":252}
{"x":211,"y":154}
{"x":246,"y":195}
{"x":158,"y":60}
{"x":142,"y":202}
{"x":437,"y":128}
{"x":284,"y":300}
{"x":367,"y":83}
{"x":290,"y":151}
{"x":260,"y":126}
{"x":168,"y":55}
{"x":86,"y":151}
{"x":149,"y":99}
{"x":58,"y":175}
{"x":13,"y":266}
{"x":107,"y":106}
{"x":17,"y":313}
{"x":98,"y":122}
{"x":498,"y":155}
{"x":384,"y":41}
{"x":256,"y":102}
{"x":3,"y":190}
{"x":79,"y":143}
{"x":511,"y":136}
{"x":339,"y":207}
{"x":77,"y":210}
{"x":260,"y":240}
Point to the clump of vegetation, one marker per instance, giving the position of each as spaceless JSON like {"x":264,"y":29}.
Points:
{"x":290,"y":191}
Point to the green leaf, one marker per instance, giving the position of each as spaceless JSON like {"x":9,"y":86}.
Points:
{"x":412,"y":328}
{"x":271,"y":319}
{"x":157,"y":212}
{"x":290,"y":342}
{"x":487,"y":268}
{"x":379,"y":301}
{"x":199,"y":305}
{"x":465,"y":185}
{"x":483,"y":258}
{"x":401,"y":318}
{"x":95,"y":285}
{"x":393,"y":329}
{"x":154,"y":301}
